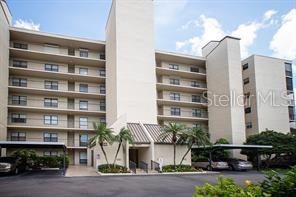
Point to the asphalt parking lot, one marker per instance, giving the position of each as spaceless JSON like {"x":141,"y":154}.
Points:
{"x":52,"y":183}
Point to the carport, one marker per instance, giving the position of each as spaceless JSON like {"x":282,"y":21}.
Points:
{"x":32,"y":145}
{"x":215,"y":147}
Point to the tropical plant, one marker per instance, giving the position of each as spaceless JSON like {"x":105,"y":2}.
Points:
{"x":28,"y":156}
{"x":221,"y":153}
{"x":103,"y":134}
{"x":173,"y":131}
{"x":194,"y":136}
{"x":123,"y":135}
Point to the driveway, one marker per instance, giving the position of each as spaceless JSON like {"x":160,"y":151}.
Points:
{"x":29,"y":184}
{"x":79,"y":170}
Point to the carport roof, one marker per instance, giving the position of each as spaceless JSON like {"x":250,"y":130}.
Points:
{"x":28,"y":144}
{"x":233,"y":146}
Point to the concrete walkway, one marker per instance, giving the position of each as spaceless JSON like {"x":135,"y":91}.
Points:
{"x":80,"y":170}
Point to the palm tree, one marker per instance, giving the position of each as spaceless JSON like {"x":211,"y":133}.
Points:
{"x":123,"y":135}
{"x":194,"y":136}
{"x":102,"y":134}
{"x":173,"y":131}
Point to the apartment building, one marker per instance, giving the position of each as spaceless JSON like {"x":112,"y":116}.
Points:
{"x":53,"y":87}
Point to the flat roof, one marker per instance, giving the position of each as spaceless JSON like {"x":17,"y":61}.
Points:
{"x":29,"y":144}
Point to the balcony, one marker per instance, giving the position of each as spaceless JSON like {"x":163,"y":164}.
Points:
{"x":181,"y":88}
{"x":181,"y":73}
{"x":178,"y":99}
{"x":55,"y":75}
{"x":183,"y":115}
{"x":60,"y":58}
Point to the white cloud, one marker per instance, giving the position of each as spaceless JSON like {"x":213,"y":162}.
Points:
{"x":212,"y":30}
{"x":268,"y":14}
{"x":27,"y":24}
{"x":283,"y":43}
{"x":166,"y":11}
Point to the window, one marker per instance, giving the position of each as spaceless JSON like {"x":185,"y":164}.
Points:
{"x":50,"y":102}
{"x":102,"y":56}
{"x":288,"y":67}
{"x":245,"y":66}
{"x":83,"y":123}
{"x":196,"y":112}
{"x":196,"y":98}
{"x":83,"y":105}
{"x":50,"y":137}
{"x":194,"y":84}
{"x":18,"y":118}
{"x":52,"y":85}
{"x":174,"y":66}
{"x":289,"y":82}
{"x":102,"y":106}
{"x":175,"y":96}
{"x":246,"y":81}
{"x":83,"y":52}
{"x":82,"y":158}
{"x":83,"y":71}
{"x":248,"y":110}
{"x":194,"y":69}
{"x":20,"y":45}
{"x":19,"y":100}
{"x":83,"y":140}
{"x":21,"y":82}
{"x":103,"y":120}
{"x":102,"y":89}
{"x":50,"y":153}
{"x":83,"y":88}
{"x":174,"y":81}
{"x":20,"y":64}
{"x":249,"y":125}
{"x":102,"y":72}
{"x":18,"y":136}
{"x":291,"y":113}
{"x":175,"y":111}
{"x":51,"y":67}
{"x":50,"y":120}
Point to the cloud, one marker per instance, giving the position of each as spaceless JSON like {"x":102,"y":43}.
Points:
{"x":166,"y":11}
{"x":26,"y":24}
{"x":212,"y":30}
{"x":283,"y":43}
{"x":268,"y":14}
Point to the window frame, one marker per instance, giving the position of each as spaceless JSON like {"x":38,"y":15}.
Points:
{"x":51,"y":120}
{"x":83,"y":87}
{"x":18,"y":118}
{"x":19,"y":63}
{"x":175,"y":96}
{"x":52,"y":137}
{"x":174,"y":66}
{"x":83,"y":124}
{"x":80,"y":105}
{"x":51,"y":67}
{"x":51,"y":85}
{"x":175,"y":111}
{"x":18,"y":137}
{"x":81,"y":71}
{"x":19,"y":100}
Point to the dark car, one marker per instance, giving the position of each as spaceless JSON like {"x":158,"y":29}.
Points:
{"x":282,"y":161}
{"x":12,"y":165}
{"x":238,"y":164}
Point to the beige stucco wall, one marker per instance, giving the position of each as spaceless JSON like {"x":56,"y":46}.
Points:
{"x":167,"y":153}
{"x":267,"y":77}
{"x":5,"y":20}
{"x":224,"y":77}
{"x":131,"y":59}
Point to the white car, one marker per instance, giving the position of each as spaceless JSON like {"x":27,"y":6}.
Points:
{"x":205,"y":164}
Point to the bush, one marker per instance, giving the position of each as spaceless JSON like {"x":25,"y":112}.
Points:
{"x":50,"y":162}
{"x":280,"y":185}
{"x":112,"y":169}
{"x":179,"y":168}
{"x":226,"y":187}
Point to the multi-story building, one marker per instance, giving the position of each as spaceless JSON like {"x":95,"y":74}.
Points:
{"x":53,"y":87}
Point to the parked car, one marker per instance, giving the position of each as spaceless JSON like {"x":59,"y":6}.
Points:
{"x":205,"y":164}
{"x":238,"y":164}
{"x":283,"y":161}
{"x":11,"y":165}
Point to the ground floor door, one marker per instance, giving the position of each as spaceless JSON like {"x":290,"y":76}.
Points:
{"x":134,"y":156}
{"x":92,"y":158}
{"x":83,"y":157}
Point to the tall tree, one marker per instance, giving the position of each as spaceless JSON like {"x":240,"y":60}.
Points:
{"x":173,"y":131}
{"x":194,"y":136}
{"x":103,"y":134}
{"x":123,"y":135}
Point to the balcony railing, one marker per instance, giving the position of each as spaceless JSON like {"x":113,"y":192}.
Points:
{"x":184,"y":113}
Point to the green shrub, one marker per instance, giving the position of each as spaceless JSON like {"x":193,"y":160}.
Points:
{"x":226,"y":187}
{"x":50,"y":162}
{"x":280,"y":185}
{"x":112,"y":169}
{"x":179,"y":168}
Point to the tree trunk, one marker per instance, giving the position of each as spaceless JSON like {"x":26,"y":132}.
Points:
{"x":175,"y":156}
{"x":119,"y":145}
{"x":101,"y":145}
{"x":186,"y":154}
